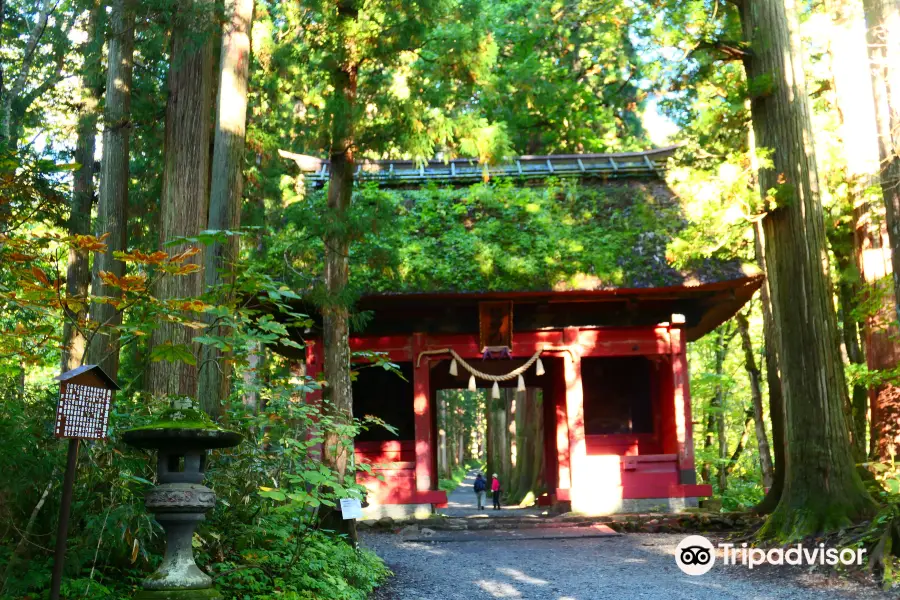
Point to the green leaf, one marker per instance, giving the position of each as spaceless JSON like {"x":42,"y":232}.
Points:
{"x":173,"y":353}
{"x":273,"y":495}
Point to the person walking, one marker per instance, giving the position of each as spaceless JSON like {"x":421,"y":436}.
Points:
{"x":480,"y":487}
{"x":495,"y":490}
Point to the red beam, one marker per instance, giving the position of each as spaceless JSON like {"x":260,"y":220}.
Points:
{"x":406,"y":496}
{"x":397,"y":347}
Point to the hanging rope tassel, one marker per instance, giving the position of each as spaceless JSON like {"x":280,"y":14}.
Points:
{"x":495,"y":391}
{"x":539,"y":370}
{"x":472,"y":386}
{"x":453,"y":370}
{"x":521,"y":386}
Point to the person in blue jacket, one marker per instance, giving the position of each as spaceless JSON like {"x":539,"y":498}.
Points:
{"x":480,"y":487}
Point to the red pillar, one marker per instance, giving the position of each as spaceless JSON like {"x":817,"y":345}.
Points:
{"x":575,"y":412}
{"x":561,"y":432}
{"x":682,"y":398}
{"x":315,"y":361}
{"x":423,"y":418}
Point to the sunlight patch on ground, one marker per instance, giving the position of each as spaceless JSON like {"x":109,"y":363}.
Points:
{"x":425,"y":548}
{"x":498,"y":589}
{"x":522,"y":577}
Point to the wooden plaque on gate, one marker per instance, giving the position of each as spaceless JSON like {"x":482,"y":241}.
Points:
{"x":495,"y":324}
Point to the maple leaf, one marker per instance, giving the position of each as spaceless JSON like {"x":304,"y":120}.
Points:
{"x":180,"y":257}
{"x":187,"y":269}
{"x":143,"y":258}
{"x":40,"y":276}
{"x":90,"y":243}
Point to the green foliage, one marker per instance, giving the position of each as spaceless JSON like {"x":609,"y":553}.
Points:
{"x":274,"y":562}
{"x":495,"y":237}
{"x":458,"y":475}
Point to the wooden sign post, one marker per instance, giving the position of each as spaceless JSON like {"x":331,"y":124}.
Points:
{"x":85,"y":395}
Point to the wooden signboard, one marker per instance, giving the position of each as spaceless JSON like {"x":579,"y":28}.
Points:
{"x":495,"y":324}
{"x":82,"y":412}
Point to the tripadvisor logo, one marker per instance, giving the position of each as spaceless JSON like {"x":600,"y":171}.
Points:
{"x":696,"y":555}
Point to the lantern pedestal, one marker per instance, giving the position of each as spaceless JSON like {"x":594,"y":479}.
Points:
{"x":180,"y":501}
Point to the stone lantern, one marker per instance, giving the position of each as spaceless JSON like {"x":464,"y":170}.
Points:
{"x":182,"y":436}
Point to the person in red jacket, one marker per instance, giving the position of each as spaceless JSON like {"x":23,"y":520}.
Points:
{"x":495,"y":490}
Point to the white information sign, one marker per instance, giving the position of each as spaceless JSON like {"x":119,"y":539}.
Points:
{"x":351,"y":508}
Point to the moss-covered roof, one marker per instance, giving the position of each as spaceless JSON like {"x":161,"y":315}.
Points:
{"x":501,"y":237}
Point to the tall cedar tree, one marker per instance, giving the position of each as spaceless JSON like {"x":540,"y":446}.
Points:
{"x":183,"y":206}
{"x":883,"y":27}
{"x":114,"y":175}
{"x":78,"y":272}
{"x":226,"y":185}
{"x":773,"y":383}
{"x":822,"y":490}
{"x":335,"y":312}
{"x":756,"y":395}
{"x":852,"y":230}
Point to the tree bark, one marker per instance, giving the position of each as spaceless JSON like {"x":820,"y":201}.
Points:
{"x":511,"y":451}
{"x":226,"y":183}
{"x":822,"y":490}
{"x":185,"y":190}
{"x":762,"y":439}
{"x":883,"y":27}
{"x":773,"y":384}
{"x":855,"y":104}
{"x":742,"y":443}
{"x":443,"y":426}
{"x":718,"y":415}
{"x":335,"y":312}
{"x":112,"y":205}
{"x":78,"y":271}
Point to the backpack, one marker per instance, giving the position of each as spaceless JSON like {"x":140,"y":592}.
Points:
{"x":479,"y":485}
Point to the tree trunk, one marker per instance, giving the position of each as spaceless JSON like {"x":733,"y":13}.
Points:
{"x":529,"y":445}
{"x":883,"y":27}
{"x":742,"y":443}
{"x":335,"y":313}
{"x":853,"y":94}
{"x":185,"y":189}
{"x":848,"y":292}
{"x":512,"y":406}
{"x":822,"y":489}
{"x":443,"y":426}
{"x":715,"y":423}
{"x":773,"y":384}
{"x":114,"y":174}
{"x":226,"y":183}
{"x":762,"y":439}
{"x":722,"y":343}
{"x":78,"y":272}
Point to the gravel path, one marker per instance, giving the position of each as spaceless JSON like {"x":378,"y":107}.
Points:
{"x":461,"y":502}
{"x":632,"y":566}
